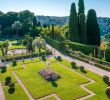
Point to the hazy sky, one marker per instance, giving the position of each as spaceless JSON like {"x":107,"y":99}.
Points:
{"x":54,"y":7}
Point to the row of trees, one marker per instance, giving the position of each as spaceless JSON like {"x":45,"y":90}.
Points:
{"x":83,"y":30}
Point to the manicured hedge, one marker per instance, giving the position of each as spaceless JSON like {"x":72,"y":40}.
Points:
{"x":88,"y":60}
{"x":86,"y":49}
{"x":25,"y":56}
{"x":55,"y":44}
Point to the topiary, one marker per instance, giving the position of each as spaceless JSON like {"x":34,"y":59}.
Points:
{"x":106,"y":79}
{"x":107,"y":91}
{"x":8,"y":80}
{"x":14,"y":63}
{"x":73,"y":64}
{"x":59,"y":58}
{"x":43,"y":57}
{"x":81,"y":68}
{"x":11,"y":88}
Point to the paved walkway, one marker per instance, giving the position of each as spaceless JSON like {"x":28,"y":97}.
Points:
{"x":2,"y":95}
{"x":87,"y":66}
{"x":23,"y":86}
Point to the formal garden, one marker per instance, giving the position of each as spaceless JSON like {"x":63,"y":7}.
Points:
{"x":64,"y":78}
{"x":41,"y":61}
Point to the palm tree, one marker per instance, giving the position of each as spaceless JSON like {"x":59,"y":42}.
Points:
{"x":17,"y":26}
{"x":39,"y":43}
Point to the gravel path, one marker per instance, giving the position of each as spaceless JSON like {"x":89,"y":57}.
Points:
{"x":87,"y":66}
{"x":23,"y":86}
{"x":2,"y":95}
{"x":51,"y":95}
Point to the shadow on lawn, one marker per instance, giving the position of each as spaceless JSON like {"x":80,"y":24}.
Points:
{"x":54,"y":84}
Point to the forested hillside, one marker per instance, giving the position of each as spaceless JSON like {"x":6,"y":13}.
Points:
{"x":104,"y":22}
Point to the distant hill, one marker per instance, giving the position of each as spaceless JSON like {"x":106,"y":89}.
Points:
{"x":104,"y":22}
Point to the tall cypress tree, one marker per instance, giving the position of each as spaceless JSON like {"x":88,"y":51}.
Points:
{"x":82,"y":22}
{"x":73,"y":24}
{"x":82,"y":28}
{"x":81,"y":6}
{"x":93,"y":31}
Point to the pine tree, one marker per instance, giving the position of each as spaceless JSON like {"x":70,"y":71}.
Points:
{"x":73,"y":24}
{"x":93,"y":31}
{"x":82,"y":28}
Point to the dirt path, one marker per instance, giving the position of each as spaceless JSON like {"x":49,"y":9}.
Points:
{"x":87,"y":66}
{"x":2,"y":95}
{"x":23,"y":86}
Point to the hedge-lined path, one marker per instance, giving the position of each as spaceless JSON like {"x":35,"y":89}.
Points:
{"x":91,"y":81}
{"x":2,"y":95}
{"x":22,"y":85}
{"x":51,"y":95}
{"x":87,"y":66}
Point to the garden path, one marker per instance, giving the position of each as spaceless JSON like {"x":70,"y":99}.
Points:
{"x":2,"y":95}
{"x":87,"y":66}
{"x":22,"y":85}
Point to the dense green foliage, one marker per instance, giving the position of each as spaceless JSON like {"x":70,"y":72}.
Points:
{"x":86,"y":49}
{"x":81,"y":6}
{"x":73,"y":25}
{"x":82,"y":28}
{"x":104,"y":22}
{"x":57,"y":45}
{"x":26,"y":18}
{"x":93,"y":31}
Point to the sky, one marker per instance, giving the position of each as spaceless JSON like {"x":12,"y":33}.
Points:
{"x":54,"y":7}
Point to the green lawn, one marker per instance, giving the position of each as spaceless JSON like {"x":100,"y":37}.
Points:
{"x":67,"y":87}
{"x":19,"y":93}
{"x":98,"y":87}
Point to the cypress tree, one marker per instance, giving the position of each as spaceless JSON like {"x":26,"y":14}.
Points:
{"x":53,"y":35}
{"x":82,"y":28}
{"x":34,"y":22}
{"x":73,"y":24}
{"x":81,"y":6}
{"x":82,"y":22}
{"x":93,"y":31}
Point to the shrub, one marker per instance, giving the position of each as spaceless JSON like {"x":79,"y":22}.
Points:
{"x":8,"y":80}
{"x":59,"y":58}
{"x":43,"y":57}
{"x":14,"y":63}
{"x":3,"y":69}
{"x":11,"y":88}
{"x":108,"y":91}
{"x":73,"y":64}
{"x":81,"y":68}
{"x":106,"y":79}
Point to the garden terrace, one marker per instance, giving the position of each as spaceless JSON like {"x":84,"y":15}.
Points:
{"x":70,"y":81}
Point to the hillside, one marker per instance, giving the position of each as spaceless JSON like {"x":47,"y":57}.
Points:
{"x":104,"y":22}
